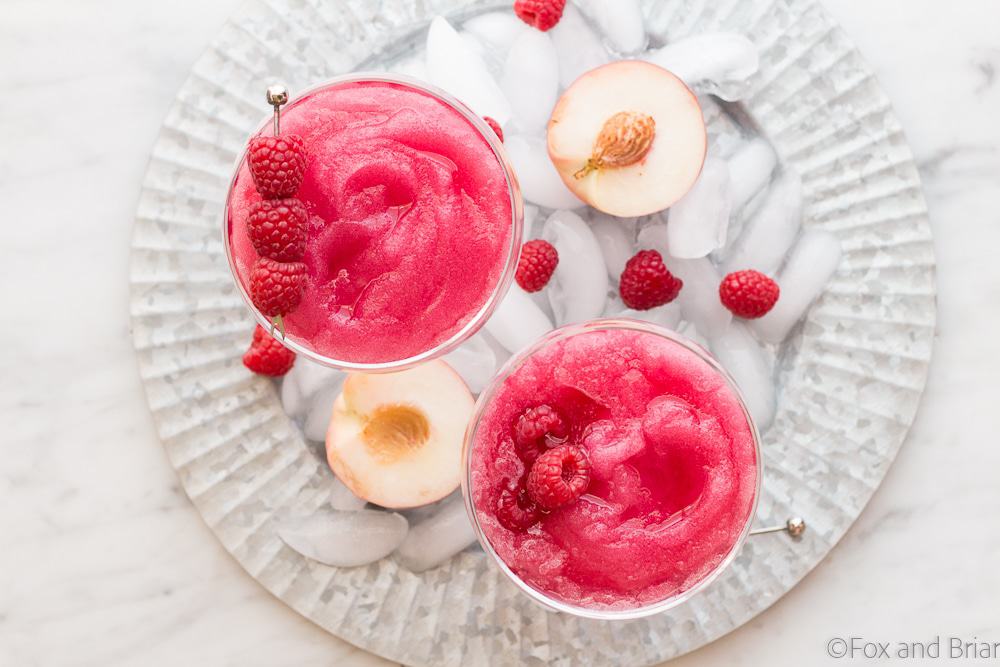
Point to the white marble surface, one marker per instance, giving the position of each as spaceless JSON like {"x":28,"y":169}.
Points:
{"x":104,"y":562}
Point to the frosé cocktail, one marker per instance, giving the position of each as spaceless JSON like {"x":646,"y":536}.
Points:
{"x":612,"y":468}
{"x":413,"y":223}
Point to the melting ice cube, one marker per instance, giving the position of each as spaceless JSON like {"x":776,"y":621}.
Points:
{"x":345,"y":539}
{"x":579,"y":286}
{"x":813,"y":260}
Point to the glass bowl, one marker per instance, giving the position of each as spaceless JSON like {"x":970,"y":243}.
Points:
{"x":484,"y":400}
{"x":470,"y":327}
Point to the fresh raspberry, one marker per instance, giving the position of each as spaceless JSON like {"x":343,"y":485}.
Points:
{"x":541,"y":14}
{"x":276,"y":287}
{"x":748,"y":294}
{"x":537,"y":429}
{"x":267,"y":356}
{"x":495,"y":126}
{"x":559,"y":476}
{"x":515,"y":509}
{"x":277,"y":164}
{"x":646,"y":283}
{"x":278,"y":229}
{"x":538,"y":261}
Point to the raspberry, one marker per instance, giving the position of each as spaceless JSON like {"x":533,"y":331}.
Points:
{"x":541,"y":14}
{"x":267,"y":356}
{"x":515,"y":509}
{"x":276,"y":287}
{"x":495,"y":126}
{"x":536,"y":429}
{"x":277,"y":164}
{"x":537,"y":263}
{"x":277,"y":229}
{"x":748,"y":294}
{"x":559,"y":476}
{"x":646,"y":283}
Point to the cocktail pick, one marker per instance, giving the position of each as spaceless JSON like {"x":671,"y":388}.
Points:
{"x":795,"y":526}
{"x":277,"y":96}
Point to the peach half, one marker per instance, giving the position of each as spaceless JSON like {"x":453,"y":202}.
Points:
{"x":395,"y":439}
{"x":628,"y":138}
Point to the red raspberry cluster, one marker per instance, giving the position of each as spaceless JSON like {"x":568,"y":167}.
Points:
{"x":277,"y":227}
{"x":558,"y":473}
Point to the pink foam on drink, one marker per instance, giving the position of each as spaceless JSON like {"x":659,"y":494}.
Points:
{"x":674,"y":469}
{"x":411,"y":221}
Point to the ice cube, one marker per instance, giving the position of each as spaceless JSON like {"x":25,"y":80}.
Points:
{"x":668,"y":316}
{"x":699,"y":221}
{"x":319,"y":410}
{"x":498,"y":30}
{"x":699,"y":297}
{"x":579,"y":286}
{"x":614,"y":235}
{"x":654,"y":236}
{"x":749,"y":171}
{"x":767,"y":236}
{"x":540,"y":182}
{"x":474,"y":361}
{"x":342,"y":498}
{"x":437,"y":538}
{"x":720,"y":63}
{"x":517,"y":321}
{"x":415,"y":66}
{"x":690,"y":331}
{"x":530,"y":215}
{"x":578,"y":48}
{"x":345,"y":539}
{"x":740,"y":354}
{"x":531,"y":81}
{"x":291,"y":399}
{"x":501,"y":353}
{"x":813,"y":260}
{"x":302,"y":383}
{"x":454,"y":66}
{"x":311,"y":376}
{"x":621,"y":21}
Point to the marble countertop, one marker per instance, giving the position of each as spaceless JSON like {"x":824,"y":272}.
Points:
{"x":105,"y":562}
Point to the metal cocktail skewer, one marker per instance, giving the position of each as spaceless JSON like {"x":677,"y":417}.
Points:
{"x":277,"y":96}
{"x":795,"y":526}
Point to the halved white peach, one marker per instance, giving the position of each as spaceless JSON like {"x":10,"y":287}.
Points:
{"x":395,"y":439}
{"x":628,"y":138}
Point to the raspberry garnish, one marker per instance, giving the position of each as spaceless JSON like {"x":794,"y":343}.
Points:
{"x":537,"y":429}
{"x":515,"y":509}
{"x":277,"y":164}
{"x":559,"y":476}
{"x":748,"y":294}
{"x":276,"y":287}
{"x":277,"y":229}
{"x":646,"y":283}
{"x":267,"y":356}
{"x":541,"y":14}
{"x":495,"y":126}
{"x":537,"y":263}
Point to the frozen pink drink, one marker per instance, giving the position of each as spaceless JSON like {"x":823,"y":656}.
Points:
{"x":668,"y":448}
{"x":413,"y":226}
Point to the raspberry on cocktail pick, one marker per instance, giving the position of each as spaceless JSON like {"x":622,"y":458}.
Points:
{"x":277,"y":163}
{"x":276,"y":287}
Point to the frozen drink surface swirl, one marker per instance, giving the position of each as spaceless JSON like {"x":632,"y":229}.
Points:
{"x":410,"y":221}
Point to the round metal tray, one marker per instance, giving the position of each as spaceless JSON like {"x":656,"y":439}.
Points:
{"x":849,"y":381}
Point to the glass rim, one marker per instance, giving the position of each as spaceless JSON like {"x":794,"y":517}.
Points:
{"x":485,"y":397}
{"x":499,"y":291}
